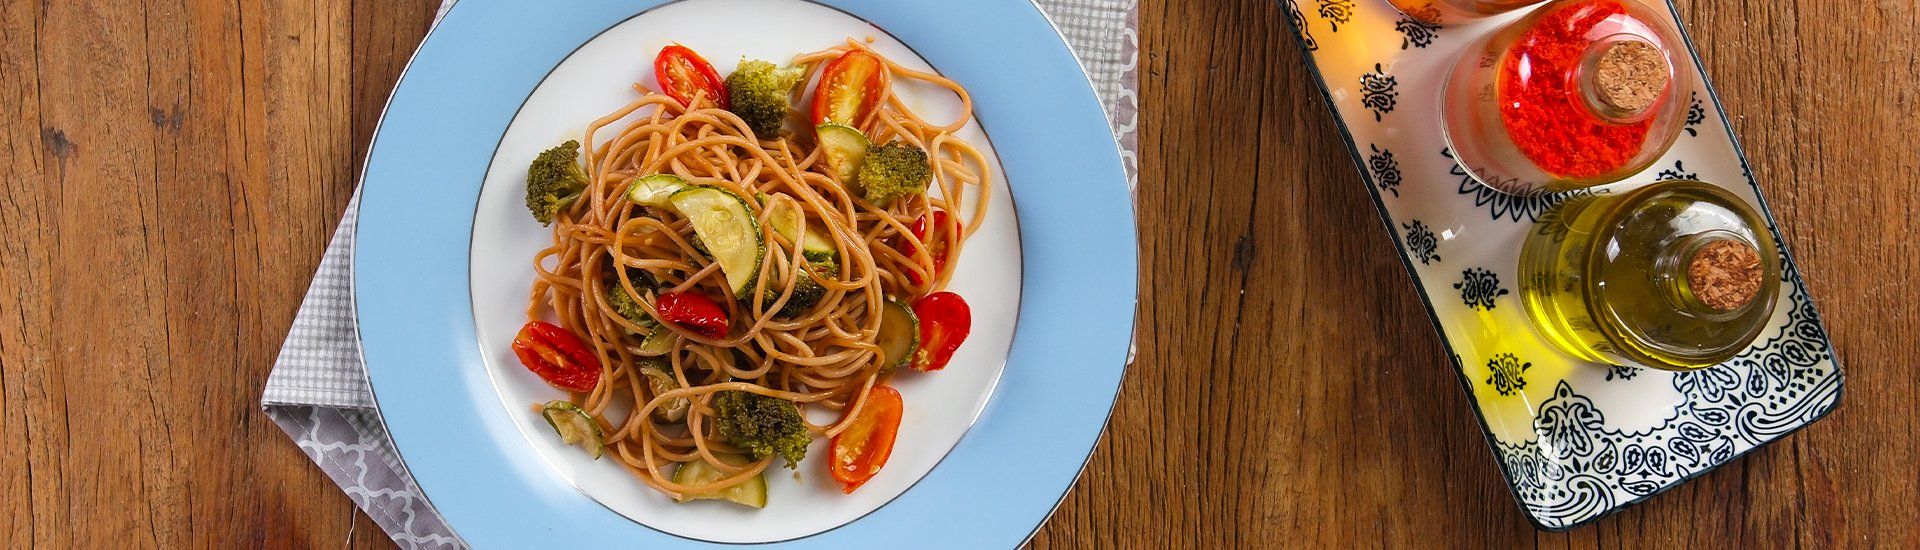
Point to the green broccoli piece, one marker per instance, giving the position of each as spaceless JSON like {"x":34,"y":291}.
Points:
{"x":554,"y":181}
{"x":892,"y":171}
{"x":807,"y":290}
{"x":624,"y":303}
{"x":759,"y":92}
{"x":764,"y":426}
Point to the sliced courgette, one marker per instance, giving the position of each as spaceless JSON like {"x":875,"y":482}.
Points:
{"x":658,"y":343}
{"x":845,"y":149}
{"x":575,"y":427}
{"x":723,"y":223}
{"x":899,"y":335}
{"x":660,"y":381}
{"x":655,"y":189}
{"x":751,"y":491}
{"x":787,"y":220}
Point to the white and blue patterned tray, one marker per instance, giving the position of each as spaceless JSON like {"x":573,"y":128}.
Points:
{"x":1576,"y":441}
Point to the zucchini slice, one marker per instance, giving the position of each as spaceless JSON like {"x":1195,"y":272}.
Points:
{"x":845,"y":149}
{"x":787,"y":220}
{"x":658,"y":343}
{"x":575,"y":427}
{"x":725,"y":225}
{"x":660,"y":381}
{"x":899,"y":335}
{"x":750,"y":492}
{"x":655,"y":189}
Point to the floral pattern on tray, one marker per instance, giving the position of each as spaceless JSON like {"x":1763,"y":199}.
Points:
{"x":1575,"y":440}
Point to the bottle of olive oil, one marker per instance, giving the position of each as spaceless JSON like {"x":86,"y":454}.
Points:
{"x":1676,"y":275}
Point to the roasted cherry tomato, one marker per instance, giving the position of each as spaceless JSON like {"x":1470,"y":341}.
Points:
{"x":945,"y":321}
{"x":937,"y":248}
{"x":849,"y":88}
{"x":693,"y":312}
{"x":860,"y":450}
{"x":683,"y":74}
{"x":557,"y":356}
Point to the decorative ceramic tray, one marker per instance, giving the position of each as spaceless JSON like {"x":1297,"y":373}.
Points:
{"x":1575,"y":440}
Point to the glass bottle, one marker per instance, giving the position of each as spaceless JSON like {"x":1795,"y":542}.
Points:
{"x":1576,"y":94}
{"x":1446,"y":12}
{"x":1676,"y":275}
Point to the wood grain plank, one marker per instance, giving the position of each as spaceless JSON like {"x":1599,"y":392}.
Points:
{"x":174,"y":170}
{"x":25,"y":387}
{"x":106,"y":319}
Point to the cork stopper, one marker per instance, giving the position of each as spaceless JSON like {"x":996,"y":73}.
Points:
{"x":1725,"y":275}
{"x":1630,"y":76}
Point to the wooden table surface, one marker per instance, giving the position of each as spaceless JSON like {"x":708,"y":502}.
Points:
{"x":175,"y":167}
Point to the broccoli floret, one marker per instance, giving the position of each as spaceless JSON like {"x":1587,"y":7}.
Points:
{"x":892,"y":171}
{"x":807,"y":290}
{"x":554,"y":181}
{"x":763,"y":425}
{"x":759,"y":92}
{"x":625,"y":305}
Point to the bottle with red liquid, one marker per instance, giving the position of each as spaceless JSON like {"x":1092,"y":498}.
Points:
{"x":1447,"y":12}
{"x":1576,"y":94}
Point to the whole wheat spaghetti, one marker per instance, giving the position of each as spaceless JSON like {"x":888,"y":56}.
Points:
{"x":657,"y":398}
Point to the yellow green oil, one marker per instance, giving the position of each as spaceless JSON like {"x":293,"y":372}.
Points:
{"x":1603,"y":278}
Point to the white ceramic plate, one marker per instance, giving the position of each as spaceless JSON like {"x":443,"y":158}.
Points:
{"x":595,"y":80}
{"x":442,"y":266}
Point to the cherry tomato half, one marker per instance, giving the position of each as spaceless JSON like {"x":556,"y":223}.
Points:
{"x":922,"y":227}
{"x":694,"y":312}
{"x":945,"y":321}
{"x":683,"y":74}
{"x":849,"y":88}
{"x":557,"y":356}
{"x":860,"y":450}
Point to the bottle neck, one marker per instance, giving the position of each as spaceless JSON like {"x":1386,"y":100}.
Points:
{"x":1624,"y":79}
{"x":1713,"y":274}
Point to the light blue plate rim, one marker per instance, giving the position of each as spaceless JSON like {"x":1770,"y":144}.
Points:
{"x":1003,"y":478}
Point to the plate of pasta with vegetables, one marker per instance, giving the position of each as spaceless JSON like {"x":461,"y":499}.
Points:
{"x":744,"y":271}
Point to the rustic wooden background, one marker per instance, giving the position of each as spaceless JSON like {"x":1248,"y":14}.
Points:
{"x":174,"y":168}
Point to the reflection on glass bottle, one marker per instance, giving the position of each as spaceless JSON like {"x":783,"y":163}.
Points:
{"x":1576,"y":94}
{"x":1677,"y":275}
{"x":1445,"y":12}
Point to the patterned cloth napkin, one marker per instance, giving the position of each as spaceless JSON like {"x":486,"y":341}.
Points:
{"x":318,"y":390}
